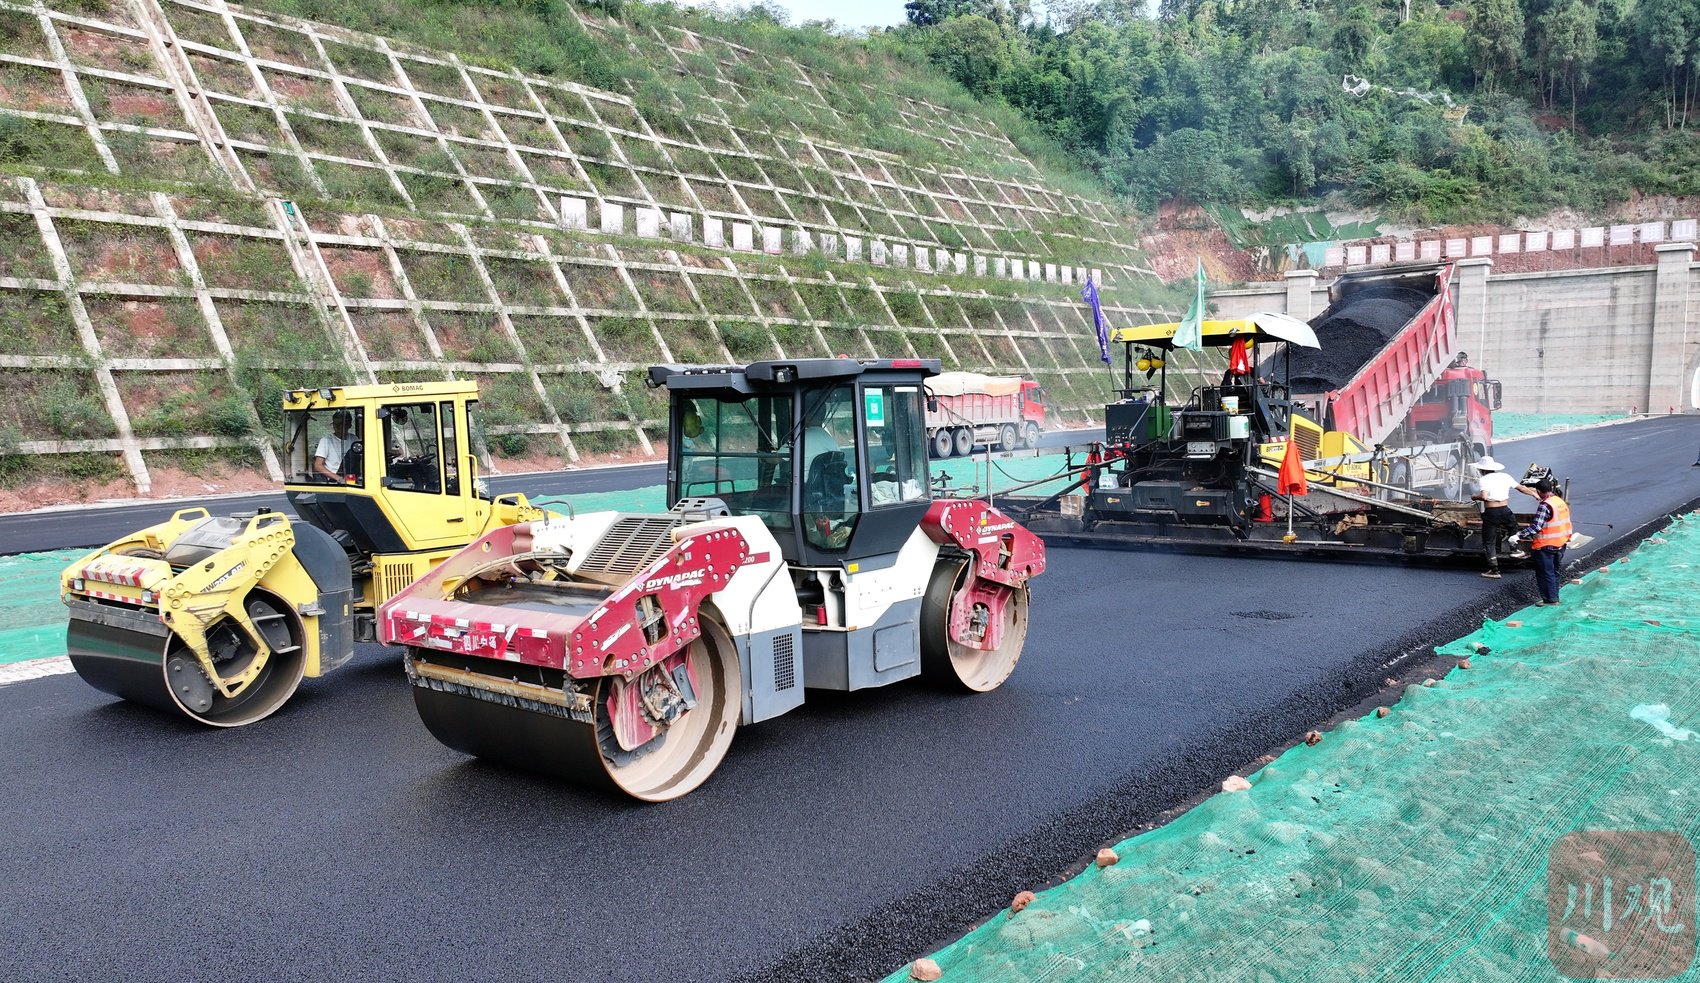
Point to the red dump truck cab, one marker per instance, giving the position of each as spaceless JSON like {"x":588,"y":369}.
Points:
{"x":967,"y":410}
{"x":1458,"y":406}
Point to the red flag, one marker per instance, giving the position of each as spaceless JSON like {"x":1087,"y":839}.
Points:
{"x":1292,"y":481}
{"x":1239,"y":358}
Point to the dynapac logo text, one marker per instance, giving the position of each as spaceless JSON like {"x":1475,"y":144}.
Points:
{"x":687,"y":578}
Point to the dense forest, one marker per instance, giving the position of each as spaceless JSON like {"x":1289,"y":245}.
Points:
{"x":1471,"y":110}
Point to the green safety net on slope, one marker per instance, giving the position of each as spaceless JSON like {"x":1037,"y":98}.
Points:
{"x":32,"y":618}
{"x":1509,"y":425}
{"x":1410,"y":847}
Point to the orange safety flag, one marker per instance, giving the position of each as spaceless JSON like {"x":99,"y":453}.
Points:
{"x":1292,"y":481}
{"x":1239,"y":358}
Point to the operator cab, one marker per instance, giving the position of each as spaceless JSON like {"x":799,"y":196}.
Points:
{"x":383,"y":468}
{"x":830,"y":453}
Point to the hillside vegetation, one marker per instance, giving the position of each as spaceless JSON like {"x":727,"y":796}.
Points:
{"x":1471,"y":110}
{"x":202,"y":204}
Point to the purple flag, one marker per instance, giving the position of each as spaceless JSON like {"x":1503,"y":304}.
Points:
{"x":1089,"y":293}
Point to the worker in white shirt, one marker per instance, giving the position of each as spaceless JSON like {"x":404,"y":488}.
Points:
{"x":1498,"y":521}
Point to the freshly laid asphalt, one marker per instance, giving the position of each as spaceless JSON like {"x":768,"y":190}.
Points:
{"x":337,"y":840}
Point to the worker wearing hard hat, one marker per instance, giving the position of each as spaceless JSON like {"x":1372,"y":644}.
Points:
{"x":1548,"y":536}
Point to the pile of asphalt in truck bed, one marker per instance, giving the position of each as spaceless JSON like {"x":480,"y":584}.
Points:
{"x":1351,"y":332}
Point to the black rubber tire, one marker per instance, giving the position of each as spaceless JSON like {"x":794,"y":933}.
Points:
{"x":964,"y":441}
{"x":1008,"y":439}
{"x":944,"y":441}
{"x":1030,"y":434}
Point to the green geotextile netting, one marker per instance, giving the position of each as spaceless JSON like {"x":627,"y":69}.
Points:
{"x":1509,"y":425}
{"x":1410,"y":847}
{"x":32,"y":618}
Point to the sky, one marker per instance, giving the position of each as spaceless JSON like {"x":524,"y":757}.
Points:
{"x":871,"y":13}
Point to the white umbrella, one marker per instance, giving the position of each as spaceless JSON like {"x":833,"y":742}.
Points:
{"x":1285,"y":327}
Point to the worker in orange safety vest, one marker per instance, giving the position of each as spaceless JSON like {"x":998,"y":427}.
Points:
{"x":1548,"y":537}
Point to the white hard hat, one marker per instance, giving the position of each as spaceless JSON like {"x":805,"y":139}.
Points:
{"x":1488,"y":464}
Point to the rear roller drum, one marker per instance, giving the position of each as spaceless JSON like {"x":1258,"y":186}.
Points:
{"x":536,"y":738}
{"x":162,"y":672}
{"x":949,"y":662}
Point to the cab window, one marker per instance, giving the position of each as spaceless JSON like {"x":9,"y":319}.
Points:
{"x":326,"y":447}
{"x":411,"y":458}
{"x":831,"y":489}
{"x":737,"y":450}
{"x":897,"y":455}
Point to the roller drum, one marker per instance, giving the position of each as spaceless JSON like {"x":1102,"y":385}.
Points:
{"x":480,"y":707}
{"x":130,"y":654}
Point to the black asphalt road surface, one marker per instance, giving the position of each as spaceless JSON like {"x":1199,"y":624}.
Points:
{"x":337,"y":840}
{"x":63,"y":528}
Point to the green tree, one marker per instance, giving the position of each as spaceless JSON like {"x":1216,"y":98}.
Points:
{"x":973,"y":51}
{"x":1496,"y":40}
{"x":1570,"y":41}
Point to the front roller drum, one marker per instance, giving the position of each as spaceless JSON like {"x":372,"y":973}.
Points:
{"x":506,"y":723}
{"x":955,"y":664}
{"x":130,"y":654}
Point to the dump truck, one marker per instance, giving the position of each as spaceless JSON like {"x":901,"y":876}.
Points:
{"x":967,"y":409}
{"x":803,"y":549}
{"x":219,"y":618}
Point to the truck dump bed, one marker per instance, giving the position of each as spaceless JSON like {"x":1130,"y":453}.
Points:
{"x":1387,"y":336}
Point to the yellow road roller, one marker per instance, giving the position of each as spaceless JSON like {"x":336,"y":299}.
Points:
{"x":220,"y":617}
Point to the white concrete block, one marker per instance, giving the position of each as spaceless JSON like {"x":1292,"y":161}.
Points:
{"x":1684,"y":230}
{"x":877,"y":252}
{"x":648,"y":222}
{"x":679,"y":223}
{"x":1334,"y":256}
{"x":1067,"y":273}
{"x":1564,"y":239}
{"x":1017,"y":269}
{"x":1430,"y":249}
{"x":853,"y":249}
{"x":714,"y":232}
{"x":772,"y":240}
{"x":1380,"y":252}
{"x":900,"y":254}
{"x":1404,"y":252}
{"x":802,"y":242}
{"x":923,"y":262}
{"x":959,"y":263}
{"x":1457,"y":247}
{"x":613,"y":217}
{"x":1622,"y":235}
{"x":1098,"y":277}
{"x":1651,"y":232}
{"x":1050,"y":273}
{"x":979,"y":266}
{"x":575,"y":213}
{"x":1357,"y":255}
{"x":1032,"y":269}
{"x":743,"y":237}
{"x":941,"y":260}
{"x":1593,"y":238}
{"x":1481,"y":246}
{"x":829,"y":244}
{"x":1535,"y":242}
{"x":1510,"y":242}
